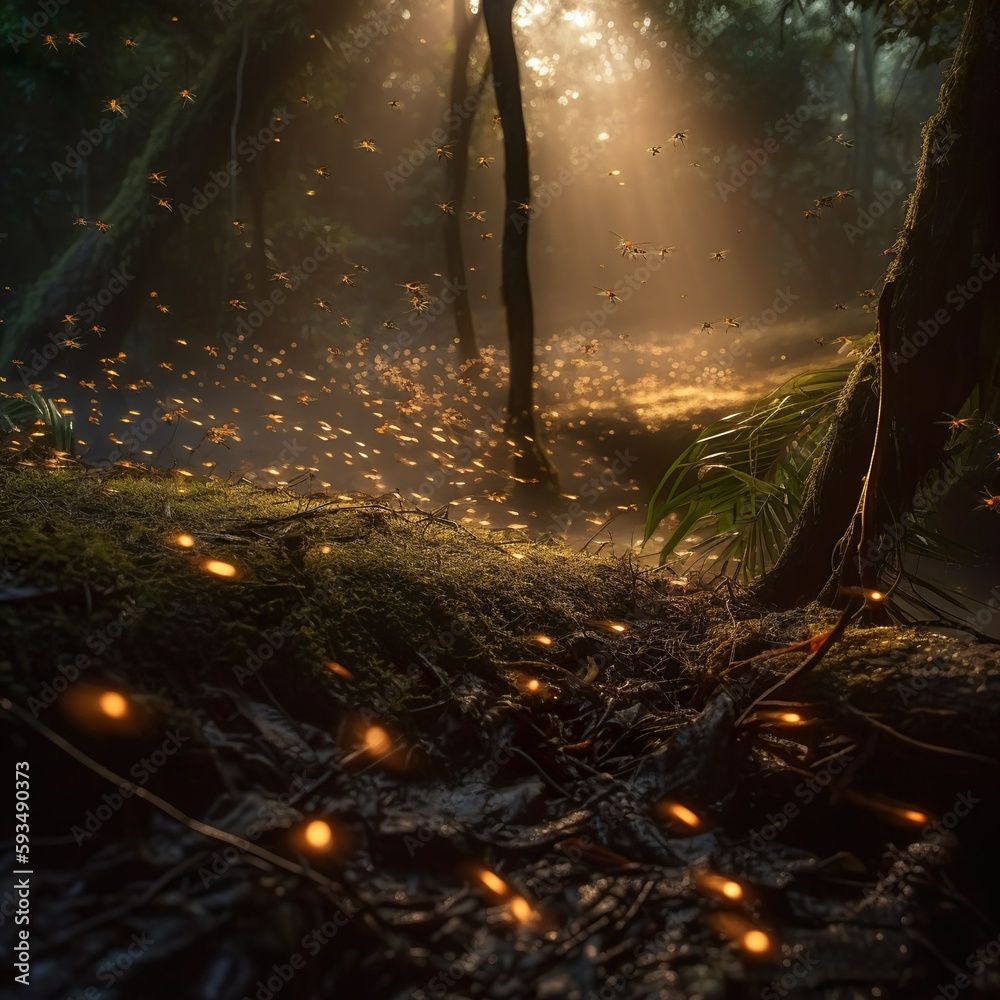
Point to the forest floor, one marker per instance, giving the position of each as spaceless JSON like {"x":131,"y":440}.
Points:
{"x":544,"y":774}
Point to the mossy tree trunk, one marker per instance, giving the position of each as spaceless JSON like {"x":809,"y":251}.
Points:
{"x":937,"y":337}
{"x":531,"y":463}
{"x":188,"y":143}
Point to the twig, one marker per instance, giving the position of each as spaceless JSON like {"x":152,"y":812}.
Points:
{"x":968,"y":754}
{"x":172,"y":811}
{"x":835,"y":633}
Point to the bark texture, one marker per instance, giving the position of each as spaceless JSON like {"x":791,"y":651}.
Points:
{"x":531,"y":463}
{"x":936,"y":342}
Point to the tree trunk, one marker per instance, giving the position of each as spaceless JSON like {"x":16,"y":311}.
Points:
{"x":531,"y":463}
{"x":935,"y":319}
{"x":466,"y":26}
{"x":187,"y":142}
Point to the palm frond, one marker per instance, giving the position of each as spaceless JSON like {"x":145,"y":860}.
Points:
{"x":742,"y":479}
{"x":22,"y":411}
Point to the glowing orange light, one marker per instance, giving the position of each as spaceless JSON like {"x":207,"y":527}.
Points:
{"x":543,"y":640}
{"x":533,"y":685}
{"x":682,"y":814}
{"x":756,"y":941}
{"x":717,"y":885}
{"x":522,"y":910}
{"x":326,"y":549}
{"x":184,"y":541}
{"x":618,"y":627}
{"x":493,"y":882}
{"x":874,"y":595}
{"x":914,"y":816}
{"x":318,"y":835}
{"x":790,"y":717}
{"x":219,"y":568}
{"x":113,"y":705}
{"x":377,"y":740}
{"x":338,"y":669}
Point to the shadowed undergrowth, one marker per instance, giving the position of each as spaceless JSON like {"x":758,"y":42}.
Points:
{"x":541,"y":715}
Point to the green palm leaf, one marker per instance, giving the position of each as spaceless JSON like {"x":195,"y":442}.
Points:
{"x":24,"y":410}
{"x":742,"y":480}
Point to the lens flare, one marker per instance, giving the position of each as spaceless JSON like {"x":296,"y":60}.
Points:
{"x":521,"y":909}
{"x":676,"y":813}
{"x":756,"y":942}
{"x":318,"y":835}
{"x":113,"y":705}
{"x":218,"y":568}
{"x":377,"y":740}
{"x":493,"y":882}
{"x":185,"y":541}
{"x":717,"y":885}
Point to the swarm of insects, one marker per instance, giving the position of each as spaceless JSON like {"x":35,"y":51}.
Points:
{"x":629,"y":248}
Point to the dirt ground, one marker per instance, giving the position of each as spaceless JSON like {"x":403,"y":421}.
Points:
{"x":309,"y":747}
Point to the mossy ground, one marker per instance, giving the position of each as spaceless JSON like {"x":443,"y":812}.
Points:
{"x":559,"y":785}
{"x":350,"y":579}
